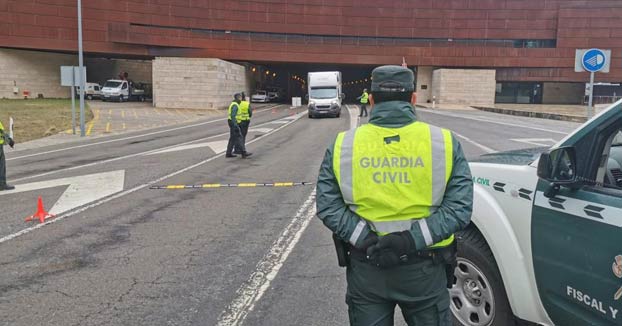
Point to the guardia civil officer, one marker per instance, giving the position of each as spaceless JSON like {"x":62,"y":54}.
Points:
{"x":394,"y":192}
{"x":4,"y":139}
{"x":364,"y":99}
{"x":235,"y":134}
{"x":245,"y":114}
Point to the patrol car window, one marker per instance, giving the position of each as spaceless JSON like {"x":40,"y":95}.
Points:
{"x":613,"y":176}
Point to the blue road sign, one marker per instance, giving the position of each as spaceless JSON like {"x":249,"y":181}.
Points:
{"x":594,"y":60}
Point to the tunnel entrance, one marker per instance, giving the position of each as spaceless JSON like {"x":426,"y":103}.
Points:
{"x":291,"y":78}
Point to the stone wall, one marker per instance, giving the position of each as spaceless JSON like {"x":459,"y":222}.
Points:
{"x":563,"y":93}
{"x":424,"y":84}
{"x":33,"y":71}
{"x":200,"y":83}
{"x":464,"y":86}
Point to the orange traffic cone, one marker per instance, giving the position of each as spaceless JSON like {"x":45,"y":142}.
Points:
{"x":41,"y":214}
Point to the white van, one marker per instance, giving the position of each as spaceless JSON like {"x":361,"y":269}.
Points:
{"x":92,"y":90}
{"x":122,"y":90}
{"x":325,"y":94}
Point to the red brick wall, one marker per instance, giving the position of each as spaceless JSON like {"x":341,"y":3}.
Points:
{"x":130,"y":28}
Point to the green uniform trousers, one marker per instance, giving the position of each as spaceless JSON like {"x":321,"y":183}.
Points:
{"x":2,"y":168}
{"x":420,"y":290}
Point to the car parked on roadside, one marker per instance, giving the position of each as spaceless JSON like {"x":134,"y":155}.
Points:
{"x":91,"y":91}
{"x":260,"y":97}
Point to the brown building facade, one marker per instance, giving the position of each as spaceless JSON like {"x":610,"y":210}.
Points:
{"x":522,"y":40}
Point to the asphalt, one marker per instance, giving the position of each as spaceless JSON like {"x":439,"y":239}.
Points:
{"x":194,"y":257}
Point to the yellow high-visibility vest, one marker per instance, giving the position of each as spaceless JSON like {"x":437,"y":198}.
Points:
{"x":394,"y":177}
{"x":1,"y":134}
{"x":244,"y":111}
{"x":237,"y":116}
{"x":364,"y":98}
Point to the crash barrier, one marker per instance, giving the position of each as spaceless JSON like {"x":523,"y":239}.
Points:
{"x":231,"y":185}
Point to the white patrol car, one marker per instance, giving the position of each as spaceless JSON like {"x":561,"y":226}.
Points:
{"x":545,"y":242}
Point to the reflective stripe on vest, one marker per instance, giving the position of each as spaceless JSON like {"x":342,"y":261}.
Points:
{"x":231,"y":109}
{"x":1,"y":134}
{"x":364,"y":98}
{"x":243,"y":111}
{"x":394,"y":177}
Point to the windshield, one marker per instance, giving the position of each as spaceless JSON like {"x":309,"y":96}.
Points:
{"x":112,"y":84}
{"x":617,"y":141}
{"x":260,"y":93}
{"x":323,"y":93}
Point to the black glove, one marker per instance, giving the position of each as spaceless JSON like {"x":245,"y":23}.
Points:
{"x":11,"y":142}
{"x":370,"y":240}
{"x":391,"y":249}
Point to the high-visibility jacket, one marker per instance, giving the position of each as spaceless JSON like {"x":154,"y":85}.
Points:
{"x":244,"y":111}
{"x":394,"y":177}
{"x":1,"y":134}
{"x":364,"y":98}
{"x":237,"y":116}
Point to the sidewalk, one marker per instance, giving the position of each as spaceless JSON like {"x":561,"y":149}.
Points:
{"x":574,"y":113}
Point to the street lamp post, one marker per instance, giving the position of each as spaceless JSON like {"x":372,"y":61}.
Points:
{"x":81,"y":69}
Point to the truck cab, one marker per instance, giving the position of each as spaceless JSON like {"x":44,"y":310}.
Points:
{"x":543,"y":243}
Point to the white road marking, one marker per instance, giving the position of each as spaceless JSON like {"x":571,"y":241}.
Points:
{"x":81,"y":191}
{"x":260,"y":130}
{"x":132,"y":190}
{"x":268,"y":267}
{"x":126,"y":156}
{"x":216,"y":146}
{"x":354,"y":118}
{"x":482,"y":147}
{"x":126,"y":138}
{"x":536,"y":141}
{"x":493,"y":121}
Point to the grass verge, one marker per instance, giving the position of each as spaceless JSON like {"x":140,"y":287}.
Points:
{"x":38,"y":118}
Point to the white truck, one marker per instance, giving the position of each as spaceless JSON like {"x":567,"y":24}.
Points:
{"x":545,"y":242}
{"x":91,"y":91}
{"x":324,"y":93}
{"x":122,"y":90}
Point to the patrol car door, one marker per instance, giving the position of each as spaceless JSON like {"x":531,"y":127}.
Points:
{"x":576,"y":232}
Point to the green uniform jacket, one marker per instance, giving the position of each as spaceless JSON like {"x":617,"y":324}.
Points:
{"x":453,"y":215}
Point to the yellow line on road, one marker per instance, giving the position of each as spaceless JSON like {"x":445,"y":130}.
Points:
{"x":157,"y":111}
{"x":110,"y":113}
{"x":122,"y":113}
{"x":135,"y":114}
{"x":92,"y":123}
{"x":108,"y":127}
{"x":124,"y":126}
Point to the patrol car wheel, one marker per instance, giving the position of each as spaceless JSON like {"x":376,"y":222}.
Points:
{"x":478,"y":296}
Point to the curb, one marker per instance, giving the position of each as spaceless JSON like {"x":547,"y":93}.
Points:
{"x":542,"y":115}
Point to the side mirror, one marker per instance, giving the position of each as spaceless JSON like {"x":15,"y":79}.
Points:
{"x":559,"y":168}
{"x":307,"y":97}
{"x":342,"y":96}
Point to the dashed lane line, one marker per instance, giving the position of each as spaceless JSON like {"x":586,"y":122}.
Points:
{"x":134,"y":189}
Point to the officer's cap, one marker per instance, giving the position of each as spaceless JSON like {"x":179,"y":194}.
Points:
{"x":237,"y":96}
{"x":392,"y":79}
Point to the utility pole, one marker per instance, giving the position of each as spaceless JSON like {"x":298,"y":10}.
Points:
{"x":81,"y":68}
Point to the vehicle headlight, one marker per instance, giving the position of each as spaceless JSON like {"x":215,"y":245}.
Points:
{"x":311,"y":103}
{"x":334,"y":103}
